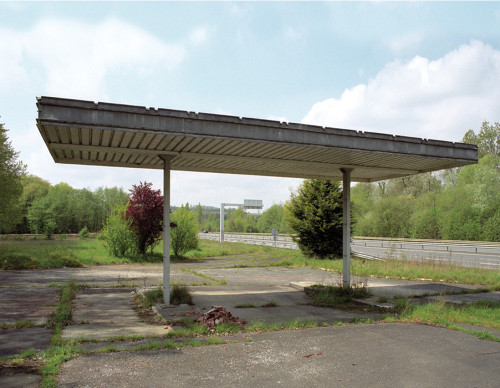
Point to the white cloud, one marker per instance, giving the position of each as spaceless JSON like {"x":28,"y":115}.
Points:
{"x":431,"y":99}
{"x":73,"y":59}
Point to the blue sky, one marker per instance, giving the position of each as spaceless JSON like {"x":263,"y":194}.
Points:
{"x":421,"y":69}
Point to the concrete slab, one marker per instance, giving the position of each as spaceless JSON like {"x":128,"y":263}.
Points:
{"x":102,"y":313}
{"x":14,"y":341}
{"x":20,"y":380}
{"x":377,"y":355}
{"x":33,"y":304}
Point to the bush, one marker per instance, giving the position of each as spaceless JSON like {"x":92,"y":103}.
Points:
{"x":117,"y":236}
{"x":184,"y":236}
{"x":49,"y":229}
{"x":17,"y":262}
{"x":180,"y":295}
{"x":58,"y":260}
{"x":84,"y":233}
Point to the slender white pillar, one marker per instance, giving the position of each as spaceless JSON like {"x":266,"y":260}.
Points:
{"x":166,"y":231}
{"x":221,"y":238}
{"x":346,"y":227}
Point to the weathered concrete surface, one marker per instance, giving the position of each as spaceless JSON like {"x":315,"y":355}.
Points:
{"x":104,"y":313}
{"x":291,"y":304}
{"x":20,"y":380}
{"x":14,"y":341}
{"x":380,"y":355}
{"x":33,"y":304}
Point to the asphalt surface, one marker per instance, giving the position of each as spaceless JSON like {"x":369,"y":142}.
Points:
{"x":376,"y":355}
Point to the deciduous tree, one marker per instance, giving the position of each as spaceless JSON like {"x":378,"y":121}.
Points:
{"x":146,"y":212}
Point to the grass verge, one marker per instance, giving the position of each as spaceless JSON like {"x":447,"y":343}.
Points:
{"x":402,"y":269}
{"x":483,"y":313}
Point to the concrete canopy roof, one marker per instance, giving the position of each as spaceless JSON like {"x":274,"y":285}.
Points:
{"x":104,"y":134}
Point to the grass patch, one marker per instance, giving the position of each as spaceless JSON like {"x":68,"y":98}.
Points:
{"x":401,"y":269}
{"x":178,"y":295}
{"x":152,"y":297}
{"x":19,"y":254}
{"x":337,"y":296}
{"x":22,"y":324}
{"x":59,"y":351}
{"x":245,"y":306}
{"x":483,"y":313}
{"x":271,"y":303}
{"x":217,"y":282}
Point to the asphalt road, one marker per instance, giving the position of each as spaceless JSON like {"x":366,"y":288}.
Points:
{"x":464,"y":254}
{"x":467,"y":254}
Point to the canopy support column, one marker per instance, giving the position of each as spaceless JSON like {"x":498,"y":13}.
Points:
{"x":346,"y":227}
{"x":166,"y":229}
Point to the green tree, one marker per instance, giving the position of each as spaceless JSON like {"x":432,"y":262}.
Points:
{"x":212,"y":224}
{"x":56,"y":209}
{"x":33,"y":188}
{"x":273,"y":218}
{"x":11,"y":171}
{"x":487,"y":139}
{"x":117,"y":235}
{"x":315,"y":214}
{"x":184,"y":236}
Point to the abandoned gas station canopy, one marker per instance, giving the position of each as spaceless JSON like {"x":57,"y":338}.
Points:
{"x":84,"y":132}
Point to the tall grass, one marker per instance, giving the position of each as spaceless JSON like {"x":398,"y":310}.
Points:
{"x":402,"y":269}
{"x":32,"y":254}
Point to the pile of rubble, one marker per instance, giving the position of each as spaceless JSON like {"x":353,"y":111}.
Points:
{"x":219,"y":315}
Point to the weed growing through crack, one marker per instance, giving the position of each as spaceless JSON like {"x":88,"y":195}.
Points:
{"x":59,"y":351}
{"x":337,"y":296}
{"x":178,"y":295}
{"x":245,"y":306}
{"x":271,"y":303}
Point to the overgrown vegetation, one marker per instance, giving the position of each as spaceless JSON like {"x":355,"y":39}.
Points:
{"x":178,"y":295}
{"x":117,"y":234}
{"x":59,"y":350}
{"x":456,"y":204}
{"x":337,"y":296}
{"x":482,"y":313}
{"x":403,"y":269}
{"x":183,"y":237}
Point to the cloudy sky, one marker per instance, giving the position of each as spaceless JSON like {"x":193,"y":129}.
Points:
{"x":423,"y":69}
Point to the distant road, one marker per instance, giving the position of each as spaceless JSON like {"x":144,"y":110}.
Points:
{"x":467,"y":254}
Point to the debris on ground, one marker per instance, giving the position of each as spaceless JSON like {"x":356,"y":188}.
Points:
{"x":219,"y":315}
{"x":313,"y":354}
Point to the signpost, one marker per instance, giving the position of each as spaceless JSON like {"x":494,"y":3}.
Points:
{"x":247,"y":204}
